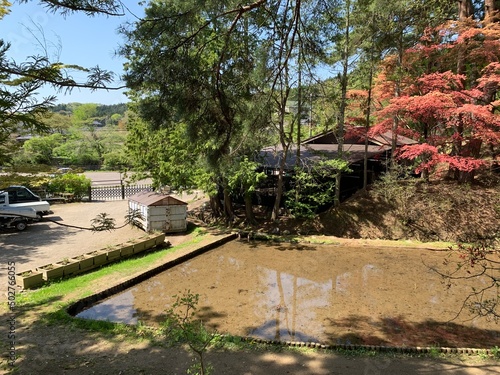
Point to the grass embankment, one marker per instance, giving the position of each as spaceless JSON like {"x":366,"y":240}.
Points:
{"x":67,"y":291}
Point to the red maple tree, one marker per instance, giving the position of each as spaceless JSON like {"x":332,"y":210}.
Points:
{"x":446,"y":98}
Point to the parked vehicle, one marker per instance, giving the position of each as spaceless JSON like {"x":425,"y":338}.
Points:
{"x":41,"y":208}
{"x":17,"y":217}
{"x":64,"y":170}
{"x":20,"y":194}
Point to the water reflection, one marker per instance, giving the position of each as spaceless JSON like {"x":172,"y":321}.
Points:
{"x":119,"y":309}
{"x":288,"y":306}
{"x":328,"y":295}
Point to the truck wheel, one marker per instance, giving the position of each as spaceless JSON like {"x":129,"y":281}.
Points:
{"x":21,"y":225}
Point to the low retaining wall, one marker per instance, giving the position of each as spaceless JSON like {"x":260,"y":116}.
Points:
{"x":86,"y":262}
{"x":377,"y":348}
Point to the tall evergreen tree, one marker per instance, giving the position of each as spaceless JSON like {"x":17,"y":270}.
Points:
{"x":225,"y":70}
{"x":193,"y":65}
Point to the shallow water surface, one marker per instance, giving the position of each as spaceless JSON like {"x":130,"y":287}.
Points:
{"x":320,"y":293}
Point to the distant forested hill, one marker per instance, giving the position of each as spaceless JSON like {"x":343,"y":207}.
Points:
{"x":103,"y":110}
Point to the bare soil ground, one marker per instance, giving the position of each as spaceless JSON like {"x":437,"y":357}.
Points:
{"x":352,"y":296}
{"x":67,"y":349}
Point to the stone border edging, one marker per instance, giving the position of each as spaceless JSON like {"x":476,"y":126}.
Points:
{"x":83,"y":303}
{"x":377,"y":348}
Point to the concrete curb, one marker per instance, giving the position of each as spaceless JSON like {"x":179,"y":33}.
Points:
{"x":376,"y":348}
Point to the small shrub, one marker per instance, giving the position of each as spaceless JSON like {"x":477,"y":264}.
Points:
{"x":397,"y":188}
{"x":34,"y":182}
{"x":76,"y":184}
{"x":181,"y":324}
{"x":495,"y":352}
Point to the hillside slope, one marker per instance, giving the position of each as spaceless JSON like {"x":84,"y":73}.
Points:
{"x":397,"y":210}
{"x":435,"y":211}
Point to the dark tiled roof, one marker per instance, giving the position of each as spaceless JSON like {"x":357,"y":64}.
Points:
{"x":356,"y":135}
{"x":311,"y":153}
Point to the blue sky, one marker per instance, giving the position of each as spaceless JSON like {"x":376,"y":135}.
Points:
{"x":73,"y":39}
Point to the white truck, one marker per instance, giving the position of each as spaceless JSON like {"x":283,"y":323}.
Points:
{"x":22,"y":211}
{"x":17,"y":217}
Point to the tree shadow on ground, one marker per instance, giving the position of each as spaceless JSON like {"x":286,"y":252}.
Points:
{"x":119,"y":310}
{"x":274,"y":330}
{"x":20,"y":247}
{"x":398,"y":331}
{"x":58,"y":350}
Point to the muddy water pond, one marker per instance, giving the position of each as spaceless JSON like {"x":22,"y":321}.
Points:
{"x":319,"y":293}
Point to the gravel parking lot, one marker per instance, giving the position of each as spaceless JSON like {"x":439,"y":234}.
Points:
{"x":47,"y":242}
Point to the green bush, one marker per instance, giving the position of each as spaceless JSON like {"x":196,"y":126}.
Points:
{"x":77,"y":184}
{"x":35,"y":182}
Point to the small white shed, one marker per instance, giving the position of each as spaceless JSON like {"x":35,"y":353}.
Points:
{"x":160,"y":212}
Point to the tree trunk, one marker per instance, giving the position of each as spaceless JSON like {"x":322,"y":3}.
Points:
{"x":285,"y":145}
{"x":228,"y":207}
{"x":368,"y":115}
{"x":465,"y":9}
{"x":215,"y":206}
{"x":456,"y":149}
{"x":397,"y":93}
{"x":299,"y":99}
{"x":491,"y":8}
{"x":250,"y":217}
{"x":343,"y":104}
{"x":279,"y":189}
{"x":472,"y":149}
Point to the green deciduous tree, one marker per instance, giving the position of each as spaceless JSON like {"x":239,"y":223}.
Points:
{"x":243,"y":179}
{"x":79,"y":149}
{"x":313,"y":187}
{"x":84,"y":115}
{"x":20,"y":81}
{"x":76,"y":184}
{"x":40,"y":150}
{"x":166,"y":155}
{"x":183,"y":324}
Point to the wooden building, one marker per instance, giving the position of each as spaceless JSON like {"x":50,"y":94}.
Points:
{"x":325,"y":147}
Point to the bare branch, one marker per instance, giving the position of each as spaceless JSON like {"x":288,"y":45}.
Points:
{"x":475,"y":262}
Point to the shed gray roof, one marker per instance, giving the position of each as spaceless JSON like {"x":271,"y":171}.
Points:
{"x":152,"y":198}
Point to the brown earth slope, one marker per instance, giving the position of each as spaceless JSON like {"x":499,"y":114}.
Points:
{"x":412,"y":210}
